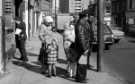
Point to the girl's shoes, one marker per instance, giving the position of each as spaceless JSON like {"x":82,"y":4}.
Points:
{"x":54,"y":75}
{"x":49,"y":76}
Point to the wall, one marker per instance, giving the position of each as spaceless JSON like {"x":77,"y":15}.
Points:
{"x":61,"y":20}
{"x":55,"y":5}
{"x":64,"y":6}
{"x":1,"y":64}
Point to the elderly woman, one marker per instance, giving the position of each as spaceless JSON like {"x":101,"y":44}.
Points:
{"x":48,"y":53}
{"x":69,"y":38}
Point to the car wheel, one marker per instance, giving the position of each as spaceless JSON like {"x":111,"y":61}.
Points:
{"x":116,"y":40}
{"x":107,"y":47}
{"x":94,"y":48}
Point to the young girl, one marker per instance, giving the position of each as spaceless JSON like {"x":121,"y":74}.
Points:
{"x":52,"y":54}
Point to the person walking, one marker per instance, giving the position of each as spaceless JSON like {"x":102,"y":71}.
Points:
{"x":82,"y":44}
{"x":20,"y":37}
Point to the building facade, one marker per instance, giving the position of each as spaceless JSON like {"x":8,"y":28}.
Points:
{"x":130,"y":16}
{"x":107,"y":12}
{"x":64,"y":6}
{"x":76,"y":6}
{"x":123,"y":14}
{"x":118,"y":12}
{"x":73,"y":6}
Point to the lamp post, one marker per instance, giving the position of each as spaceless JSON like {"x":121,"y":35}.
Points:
{"x":100,"y":32}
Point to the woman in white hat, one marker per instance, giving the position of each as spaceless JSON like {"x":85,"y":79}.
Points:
{"x":46,"y":35}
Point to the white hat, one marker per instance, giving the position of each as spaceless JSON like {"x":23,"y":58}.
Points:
{"x":48,"y":19}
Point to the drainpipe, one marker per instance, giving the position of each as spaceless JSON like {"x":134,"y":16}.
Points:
{"x":2,"y":41}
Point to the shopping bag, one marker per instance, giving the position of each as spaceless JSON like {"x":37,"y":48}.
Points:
{"x":81,"y":73}
{"x":18,"y":31}
{"x":83,"y":59}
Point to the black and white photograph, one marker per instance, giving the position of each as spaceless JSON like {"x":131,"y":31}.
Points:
{"x":67,"y":41}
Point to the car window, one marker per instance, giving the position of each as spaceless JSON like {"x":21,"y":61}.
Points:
{"x":105,"y":28}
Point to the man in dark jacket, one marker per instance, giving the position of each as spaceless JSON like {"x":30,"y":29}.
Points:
{"x":82,"y":44}
{"x":20,"y":37}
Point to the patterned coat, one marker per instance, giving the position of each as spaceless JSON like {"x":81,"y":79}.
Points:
{"x":52,"y":52}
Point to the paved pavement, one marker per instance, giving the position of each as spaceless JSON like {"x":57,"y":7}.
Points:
{"x":29,"y":73}
{"x":120,"y":59}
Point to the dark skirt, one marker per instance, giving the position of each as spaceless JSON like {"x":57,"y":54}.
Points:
{"x":43,"y":55}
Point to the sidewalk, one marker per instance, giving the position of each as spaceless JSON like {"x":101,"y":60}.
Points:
{"x":20,"y":73}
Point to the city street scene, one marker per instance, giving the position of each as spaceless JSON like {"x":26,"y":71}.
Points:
{"x":67,"y":42}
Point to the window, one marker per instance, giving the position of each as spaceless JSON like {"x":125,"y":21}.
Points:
{"x":8,"y":6}
{"x":77,"y":0}
{"x":131,"y":4}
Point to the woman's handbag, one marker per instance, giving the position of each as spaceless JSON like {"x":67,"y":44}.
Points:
{"x":42,"y":55}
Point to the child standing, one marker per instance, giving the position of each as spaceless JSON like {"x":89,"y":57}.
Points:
{"x":52,"y":54}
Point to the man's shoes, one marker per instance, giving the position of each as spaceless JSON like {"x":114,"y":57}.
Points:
{"x":23,"y":59}
{"x":81,"y":81}
{"x":43,"y":72}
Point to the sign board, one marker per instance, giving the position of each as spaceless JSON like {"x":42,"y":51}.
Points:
{"x":107,"y":18}
{"x":131,"y":21}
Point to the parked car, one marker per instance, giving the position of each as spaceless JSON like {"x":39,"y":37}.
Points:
{"x":108,"y":37}
{"x":117,"y":34}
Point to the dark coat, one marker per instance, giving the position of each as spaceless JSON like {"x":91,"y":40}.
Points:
{"x":83,"y":36}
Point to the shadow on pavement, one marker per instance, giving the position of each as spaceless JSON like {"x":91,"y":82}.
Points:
{"x":36,"y":62}
{"x":31,"y":54}
{"x":62,"y":61}
{"x":62,"y":73}
{"x":28,"y":66}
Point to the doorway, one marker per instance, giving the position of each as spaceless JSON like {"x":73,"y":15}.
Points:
{"x":17,"y":5}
